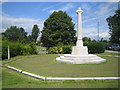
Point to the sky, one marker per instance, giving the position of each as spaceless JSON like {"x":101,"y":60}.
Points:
{"x":27,"y":14}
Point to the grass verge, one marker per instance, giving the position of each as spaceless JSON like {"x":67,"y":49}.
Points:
{"x":13,"y":79}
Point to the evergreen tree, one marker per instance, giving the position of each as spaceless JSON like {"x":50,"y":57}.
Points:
{"x":35,"y":32}
{"x":58,"y":30}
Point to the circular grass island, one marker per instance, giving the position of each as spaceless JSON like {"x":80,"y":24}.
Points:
{"x":45,"y":65}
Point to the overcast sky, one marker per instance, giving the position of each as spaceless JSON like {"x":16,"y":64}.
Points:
{"x":26,"y":14}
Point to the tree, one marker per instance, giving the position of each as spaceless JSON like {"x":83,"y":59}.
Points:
{"x":58,"y":30}
{"x":15,"y":34}
{"x":35,"y":32}
{"x":114,"y":26}
{"x":86,"y":39}
{"x":29,"y":39}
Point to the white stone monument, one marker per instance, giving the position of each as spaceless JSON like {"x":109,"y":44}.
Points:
{"x":79,"y":53}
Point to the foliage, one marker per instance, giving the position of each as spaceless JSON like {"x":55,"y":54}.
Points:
{"x":114,"y":26}
{"x":85,"y":43}
{"x":17,"y":48}
{"x":58,"y":28}
{"x":54,"y":50}
{"x":15,"y":34}
{"x":96,"y":47}
{"x":86,"y":39}
{"x":29,"y":39}
{"x":66,"y":49}
{"x":35,"y":32}
{"x":60,"y":50}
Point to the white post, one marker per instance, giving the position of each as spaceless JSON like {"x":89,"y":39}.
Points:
{"x":79,"y":28}
{"x":8,"y":52}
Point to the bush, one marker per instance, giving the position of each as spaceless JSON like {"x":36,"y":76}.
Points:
{"x":96,"y":47}
{"x":93,"y":47}
{"x":60,"y":50}
{"x":66,"y":50}
{"x":85,"y":43}
{"x":54,"y":50}
{"x":17,"y":48}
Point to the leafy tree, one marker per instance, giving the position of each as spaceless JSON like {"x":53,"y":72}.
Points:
{"x":35,"y":32}
{"x":114,"y":26}
{"x":58,"y":30}
{"x":15,"y":34}
{"x":93,"y":40}
{"x":24,"y":34}
{"x":86,"y":39}
{"x":29,"y":39}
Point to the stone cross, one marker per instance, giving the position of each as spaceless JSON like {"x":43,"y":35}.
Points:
{"x":79,"y":28}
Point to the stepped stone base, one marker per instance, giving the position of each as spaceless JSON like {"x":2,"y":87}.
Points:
{"x":80,"y":59}
{"x":80,"y":56}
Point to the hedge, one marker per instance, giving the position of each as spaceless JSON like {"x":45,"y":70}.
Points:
{"x":60,"y":50}
{"x":17,"y":48}
{"x":93,"y":47}
{"x":96,"y":47}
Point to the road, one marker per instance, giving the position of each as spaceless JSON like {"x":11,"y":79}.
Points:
{"x":112,"y":51}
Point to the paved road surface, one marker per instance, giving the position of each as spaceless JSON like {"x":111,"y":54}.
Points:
{"x":112,"y":51}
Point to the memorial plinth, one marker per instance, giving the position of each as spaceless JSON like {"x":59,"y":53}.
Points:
{"x":79,"y":53}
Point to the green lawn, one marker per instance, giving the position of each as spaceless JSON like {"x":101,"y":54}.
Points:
{"x":46,"y":65}
{"x":13,"y":79}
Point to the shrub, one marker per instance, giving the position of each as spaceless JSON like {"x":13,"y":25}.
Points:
{"x":17,"y":48}
{"x":93,"y":47}
{"x":85,"y":43}
{"x":54,"y":50}
{"x":60,"y":50}
{"x":96,"y":47}
{"x":66,"y":50}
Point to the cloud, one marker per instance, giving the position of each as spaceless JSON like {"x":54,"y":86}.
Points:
{"x":101,"y":35}
{"x":65,"y":8}
{"x":86,"y":7}
{"x":94,"y":18}
{"x":89,"y":30}
{"x":48,"y":8}
{"x":104,"y":35}
{"x":2,"y":1}
{"x":51,"y":11}
{"x":104,"y":9}
{"x":93,"y":33}
{"x":26,"y":23}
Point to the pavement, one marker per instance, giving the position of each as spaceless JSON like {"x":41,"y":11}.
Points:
{"x":112,"y":51}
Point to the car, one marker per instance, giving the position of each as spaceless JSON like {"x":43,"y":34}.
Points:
{"x":116,"y":47}
{"x":108,"y":47}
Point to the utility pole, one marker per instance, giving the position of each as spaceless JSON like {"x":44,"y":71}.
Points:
{"x":8,"y":52}
{"x":98,"y":31}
